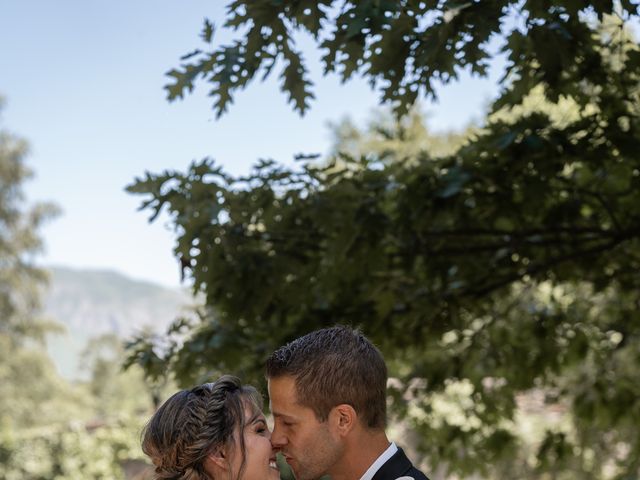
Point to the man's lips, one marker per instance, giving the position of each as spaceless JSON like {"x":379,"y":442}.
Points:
{"x":286,"y":458}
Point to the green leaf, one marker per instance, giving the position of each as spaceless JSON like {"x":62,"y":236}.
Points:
{"x":454,"y":181}
{"x":207,"y":31}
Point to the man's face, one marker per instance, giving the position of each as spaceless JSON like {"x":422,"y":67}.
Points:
{"x":310,"y":447}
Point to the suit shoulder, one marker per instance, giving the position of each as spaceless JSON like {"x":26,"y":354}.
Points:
{"x":413,"y":474}
{"x":416,"y":474}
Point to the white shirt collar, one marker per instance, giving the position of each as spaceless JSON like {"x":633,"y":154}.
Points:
{"x":375,"y":466}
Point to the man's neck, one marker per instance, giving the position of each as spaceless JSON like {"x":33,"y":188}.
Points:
{"x":359,"y":454}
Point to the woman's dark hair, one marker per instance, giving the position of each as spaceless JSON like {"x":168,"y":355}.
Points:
{"x":193,"y":423}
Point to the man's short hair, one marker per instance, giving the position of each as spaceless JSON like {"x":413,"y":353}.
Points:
{"x":333,"y":366}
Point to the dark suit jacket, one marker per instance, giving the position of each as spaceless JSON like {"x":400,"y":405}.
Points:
{"x":398,"y":466}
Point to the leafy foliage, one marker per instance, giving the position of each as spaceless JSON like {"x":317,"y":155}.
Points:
{"x":498,"y":272}
{"x":69,"y":451}
{"x":20,"y":284}
{"x":20,"y":280}
{"x":45,"y":421}
{"x":405,"y":48}
{"x":400,"y":140}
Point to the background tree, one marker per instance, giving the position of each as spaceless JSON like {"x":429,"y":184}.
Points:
{"x":25,"y":372}
{"x":50,"y":428}
{"x":406,"y":48}
{"x":401,"y":140}
{"x":118,"y":393}
{"x":501,"y":272}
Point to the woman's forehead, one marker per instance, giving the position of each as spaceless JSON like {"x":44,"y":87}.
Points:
{"x":251,"y":410}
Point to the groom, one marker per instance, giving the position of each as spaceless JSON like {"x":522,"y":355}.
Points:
{"x":327,"y":392}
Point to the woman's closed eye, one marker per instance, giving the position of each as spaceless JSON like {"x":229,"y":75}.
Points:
{"x":260,"y":427}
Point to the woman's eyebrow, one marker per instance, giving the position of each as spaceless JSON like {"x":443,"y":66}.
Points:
{"x":257,"y":417}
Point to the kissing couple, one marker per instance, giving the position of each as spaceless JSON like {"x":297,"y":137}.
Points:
{"x":327,"y":395}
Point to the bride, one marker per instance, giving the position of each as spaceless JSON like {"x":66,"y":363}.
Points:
{"x":215,"y":431}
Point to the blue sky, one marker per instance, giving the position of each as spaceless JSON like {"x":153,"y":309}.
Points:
{"x":83,"y":84}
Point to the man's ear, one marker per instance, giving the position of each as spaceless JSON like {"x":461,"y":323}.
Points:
{"x":344,"y":418}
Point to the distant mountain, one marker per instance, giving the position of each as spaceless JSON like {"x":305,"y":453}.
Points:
{"x":89,"y":303}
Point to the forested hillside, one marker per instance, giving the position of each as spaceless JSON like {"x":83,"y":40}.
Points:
{"x":90,"y":303}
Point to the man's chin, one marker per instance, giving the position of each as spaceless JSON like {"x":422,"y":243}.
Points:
{"x":297,"y":475}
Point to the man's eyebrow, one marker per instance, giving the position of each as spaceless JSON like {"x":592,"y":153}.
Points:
{"x":281,"y":415}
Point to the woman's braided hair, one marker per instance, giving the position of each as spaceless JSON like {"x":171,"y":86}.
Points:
{"x":193,"y":423}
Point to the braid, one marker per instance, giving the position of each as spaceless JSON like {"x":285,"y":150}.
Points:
{"x":192,"y":423}
{"x":188,"y":448}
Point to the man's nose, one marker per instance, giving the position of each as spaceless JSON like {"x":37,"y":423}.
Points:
{"x":277,"y":438}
